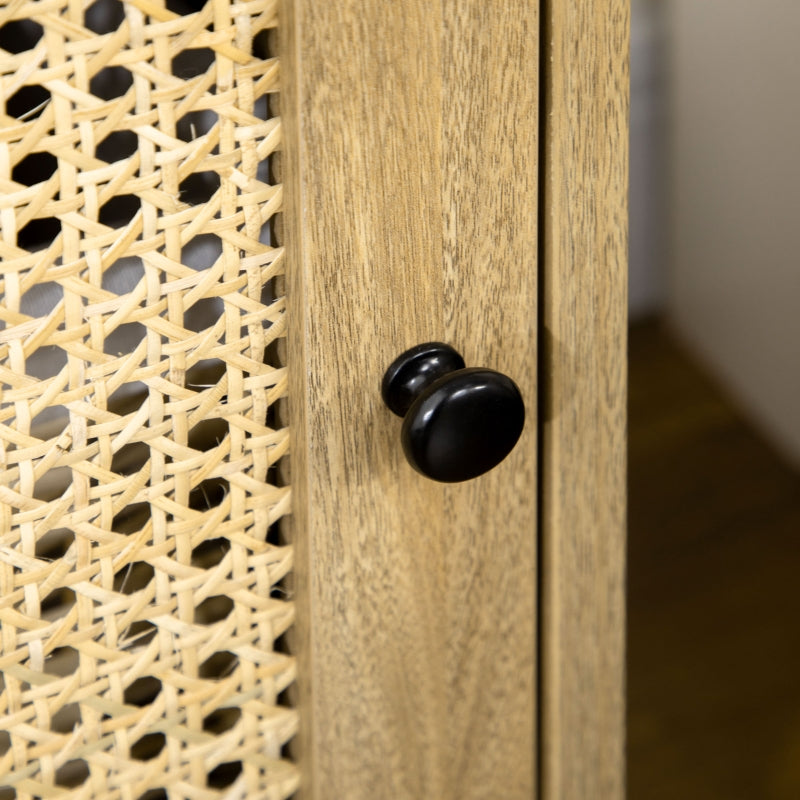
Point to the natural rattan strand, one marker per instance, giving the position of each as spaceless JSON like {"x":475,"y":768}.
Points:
{"x":141,"y":551}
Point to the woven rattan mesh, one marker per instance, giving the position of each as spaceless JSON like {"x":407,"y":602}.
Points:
{"x":141,"y":556}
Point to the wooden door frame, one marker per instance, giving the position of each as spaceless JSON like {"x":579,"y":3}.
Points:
{"x":582,"y":467}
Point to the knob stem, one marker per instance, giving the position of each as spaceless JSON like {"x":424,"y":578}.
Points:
{"x":414,"y":371}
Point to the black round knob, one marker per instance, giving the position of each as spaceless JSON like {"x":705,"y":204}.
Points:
{"x":458,"y":422}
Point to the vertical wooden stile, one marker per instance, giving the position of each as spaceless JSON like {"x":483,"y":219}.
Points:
{"x":584,"y":323}
{"x":410,"y":172}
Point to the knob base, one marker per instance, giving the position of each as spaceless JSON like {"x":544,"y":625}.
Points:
{"x":414,"y":371}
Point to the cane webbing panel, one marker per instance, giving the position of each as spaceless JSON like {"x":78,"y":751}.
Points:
{"x":140,"y":323}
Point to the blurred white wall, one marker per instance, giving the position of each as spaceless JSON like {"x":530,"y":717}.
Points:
{"x":734,"y":271}
{"x":647,"y":286}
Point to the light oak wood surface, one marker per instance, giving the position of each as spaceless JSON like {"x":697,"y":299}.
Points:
{"x":584,"y":311}
{"x":410,"y":171}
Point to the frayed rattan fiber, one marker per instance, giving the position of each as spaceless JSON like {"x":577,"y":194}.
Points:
{"x":142,"y":558}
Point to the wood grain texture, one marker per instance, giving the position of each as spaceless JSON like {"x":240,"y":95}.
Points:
{"x":584,"y":310}
{"x":411,"y":186}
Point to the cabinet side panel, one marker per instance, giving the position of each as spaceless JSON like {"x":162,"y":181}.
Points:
{"x":584,"y":274}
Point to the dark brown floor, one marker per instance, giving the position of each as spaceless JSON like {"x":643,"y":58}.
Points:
{"x":713,"y":591}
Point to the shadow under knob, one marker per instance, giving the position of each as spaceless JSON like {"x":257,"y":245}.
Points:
{"x":458,"y":422}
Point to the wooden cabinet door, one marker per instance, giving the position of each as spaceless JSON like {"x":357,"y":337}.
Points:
{"x":414,"y":189}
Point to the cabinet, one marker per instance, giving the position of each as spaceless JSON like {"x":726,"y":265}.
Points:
{"x":450,"y":170}
{"x":457,"y":171}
